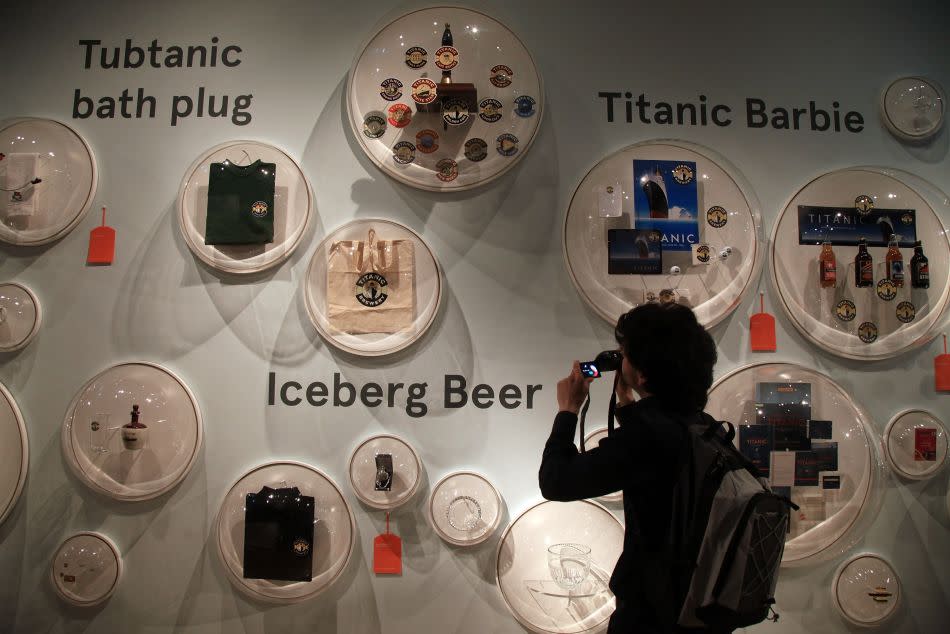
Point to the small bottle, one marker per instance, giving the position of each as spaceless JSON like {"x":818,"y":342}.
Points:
{"x":919,"y":268}
{"x":134,"y":433}
{"x":895,"y":263}
{"x":447,"y":36}
{"x":827,"y":266}
{"x":863,"y":266}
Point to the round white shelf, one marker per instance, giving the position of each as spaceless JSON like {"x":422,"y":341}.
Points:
{"x":293,"y":208}
{"x":913,"y":109}
{"x":465,"y":508}
{"x":406,"y":476}
{"x":334,"y":531}
{"x":915,"y":444}
{"x":121,"y":463}
{"x":836,"y":506}
{"x":448,"y":145}
{"x":20,"y":316}
{"x":14,"y":451}
{"x":63,"y":161}
{"x":866,"y":590}
{"x":591,"y":440}
{"x":373,"y":287}
{"x":86,"y":569}
{"x":526,"y":573}
{"x":878,"y":321}
{"x":714,"y":208}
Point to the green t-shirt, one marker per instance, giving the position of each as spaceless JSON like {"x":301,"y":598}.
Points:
{"x":240,"y":203}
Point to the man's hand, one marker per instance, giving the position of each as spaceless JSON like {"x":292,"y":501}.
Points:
{"x":572,"y":390}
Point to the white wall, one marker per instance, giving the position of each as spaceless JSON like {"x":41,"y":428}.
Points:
{"x":500,"y":247}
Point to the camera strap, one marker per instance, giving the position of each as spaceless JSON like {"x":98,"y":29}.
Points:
{"x":610,"y":412}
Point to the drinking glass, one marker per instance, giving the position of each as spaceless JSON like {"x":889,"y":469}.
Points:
{"x":569,"y":564}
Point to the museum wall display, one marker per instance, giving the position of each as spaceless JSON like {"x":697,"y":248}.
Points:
{"x":298,"y":373}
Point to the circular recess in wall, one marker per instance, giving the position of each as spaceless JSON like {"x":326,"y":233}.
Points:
{"x":14,"y":453}
{"x":591,"y":440}
{"x":86,"y":569}
{"x":663,"y":221}
{"x":443,"y":135}
{"x":402,"y":472}
{"x":866,"y":590}
{"x":124,"y":460}
{"x":554,"y":563}
{"x":34,"y":213}
{"x":20,"y":316}
{"x":913,"y":109}
{"x":465,"y":508}
{"x":334,"y":531}
{"x":915,"y":444}
{"x":830,"y":453}
{"x":886,"y":317}
{"x":260,"y":206}
{"x":373,"y":287}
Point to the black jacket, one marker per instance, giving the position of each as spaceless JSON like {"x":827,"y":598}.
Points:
{"x":641,"y":458}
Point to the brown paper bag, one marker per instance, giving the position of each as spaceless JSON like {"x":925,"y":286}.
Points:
{"x":371,"y":285}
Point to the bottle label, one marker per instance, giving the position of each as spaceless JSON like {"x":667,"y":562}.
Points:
{"x":923,"y":272}
{"x":867,"y":272}
{"x":897,"y":270}
{"x":828,"y":271}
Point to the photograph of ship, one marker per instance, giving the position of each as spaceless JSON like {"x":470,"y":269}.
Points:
{"x":665,"y":199}
{"x":634,"y":252}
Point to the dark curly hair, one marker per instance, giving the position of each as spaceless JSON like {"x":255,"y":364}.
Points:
{"x":673,"y":352}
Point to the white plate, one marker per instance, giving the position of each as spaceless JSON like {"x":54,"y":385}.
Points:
{"x":407,"y":472}
{"x":334,"y":531}
{"x":866,"y":590}
{"x":20,"y":316}
{"x":67,"y":167}
{"x":713,"y":290}
{"x":14,"y":451}
{"x":99,"y":456}
{"x":86,"y":569}
{"x":483,"y":44}
{"x":465,"y":508}
{"x":794,"y":267}
{"x":900,"y":443}
{"x":525,"y":580}
{"x":591,"y":440}
{"x":293,"y":209}
{"x":427,"y":287}
{"x":851,"y":509}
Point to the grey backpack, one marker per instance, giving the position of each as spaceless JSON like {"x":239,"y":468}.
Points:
{"x":730,"y":528}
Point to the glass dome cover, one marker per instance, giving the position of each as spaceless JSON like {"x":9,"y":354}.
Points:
{"x":86,"y":569}
{"x":406,"y":472}
{"x":14,"y":453}
{"x":465,"y":508}
{"x":20,"y":316}
{"x":916,"y":444}
{"x":866,"y":591}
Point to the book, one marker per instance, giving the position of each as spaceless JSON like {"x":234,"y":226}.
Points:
{"x":755,"y":443}
{"x":789,"y":424}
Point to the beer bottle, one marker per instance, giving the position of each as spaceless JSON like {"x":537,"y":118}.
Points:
{"x":827,"y":266}
{"x":919,"y":268}
{"x":895,"y":263}
{"x":863,"y":266}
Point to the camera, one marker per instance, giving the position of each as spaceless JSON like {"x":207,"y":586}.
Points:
{"x":606,"y":361}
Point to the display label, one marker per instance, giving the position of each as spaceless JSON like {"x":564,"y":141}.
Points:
{"x":447,"y":57}
{"x":489,"y":110}
{"x":665,"y":198}
{"x":762,"y":329}
{"x":717,"y":217}
{"x":755,"y":443}
{"x":501,"y":76}
{"x":404,"y":152}
{"x":634,"y":252}
{"x":789,"y":423}
{"x":524,"y":106}
{"x":447,"y":170}
{"x":831,"y":482}
{"x":476,"y":149}
{"x":101,"y":244}
{"x":424,"y":91}
{"x":783,"y":469}
{"x":906,"y":312}
{"x":925,"y":444}
{"x":867,"y":332}
{"x":770,"y":392}
{"x":390,"y":89}
{"x":427,"y":141}
{"x":845,"y":310}
{"x":416,"y":57}
{"x":506,"y":144}
{"x":845,"y":226}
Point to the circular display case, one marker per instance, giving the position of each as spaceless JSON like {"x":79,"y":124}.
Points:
{"x":442,"y":136}
{"x":37,"y":213}
{"x":866,"y":590}
{"x":882,"y":319}
{"x":373,"y":287}
{"x":707,"y":214}
{"x":86,"y":569}
{"x":915,"y":444}
{"x":292,"y":208}
{"x":591,"y":440}
{"x":552,"y":590}
{"x":126,"y":462}
{"x":334,"y":531}
{"x":836,"y":504}
{"x":465,"y":508}
{"x":403,"y":482}
{"x":14,"y":453}
{"x":20,"y":316}
{"x":913,"y":109}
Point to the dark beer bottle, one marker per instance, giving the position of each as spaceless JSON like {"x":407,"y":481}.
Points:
{"x":919,"y":268}
{"x":863,"y":266}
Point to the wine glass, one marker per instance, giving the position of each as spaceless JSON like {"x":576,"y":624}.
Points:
{"x":569,"y":564}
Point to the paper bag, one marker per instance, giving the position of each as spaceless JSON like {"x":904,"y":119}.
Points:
{"x":371,"y":285}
